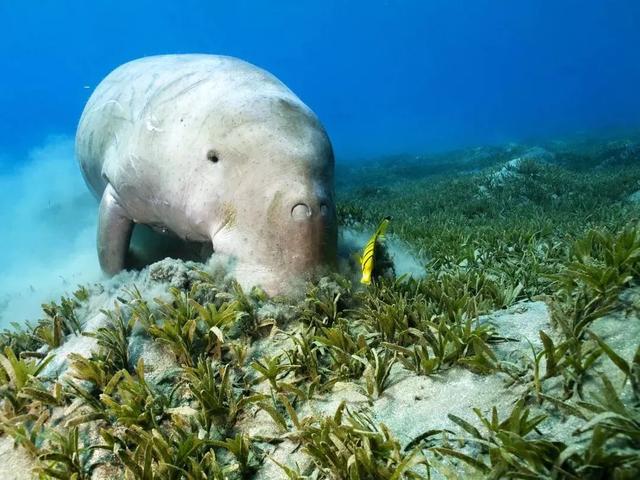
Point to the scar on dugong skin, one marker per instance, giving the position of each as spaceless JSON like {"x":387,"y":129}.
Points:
{"x":216,"y":151}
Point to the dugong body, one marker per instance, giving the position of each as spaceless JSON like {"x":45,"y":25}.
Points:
{"x":211,"y":149}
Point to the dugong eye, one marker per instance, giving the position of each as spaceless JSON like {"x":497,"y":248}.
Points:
{"x":212,"y":156}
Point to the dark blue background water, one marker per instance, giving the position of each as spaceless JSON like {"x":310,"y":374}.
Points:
{"x":384,"y":76}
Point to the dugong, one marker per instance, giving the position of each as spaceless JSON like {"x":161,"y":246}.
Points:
{"x":215,"y":150}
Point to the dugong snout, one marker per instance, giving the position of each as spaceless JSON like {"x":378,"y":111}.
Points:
{"x":302,"y":211}
{"x":312,"y":235}
{"x":296,"y":238}
{"x":310,"y":207}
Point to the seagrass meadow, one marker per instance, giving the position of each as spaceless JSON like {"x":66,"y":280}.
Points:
{"x":514,"y":352}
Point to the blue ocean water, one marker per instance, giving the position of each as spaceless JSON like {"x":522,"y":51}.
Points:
{"x":383,"y":76}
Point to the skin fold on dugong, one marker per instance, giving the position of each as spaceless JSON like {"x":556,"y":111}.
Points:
{"x":214,"y":150}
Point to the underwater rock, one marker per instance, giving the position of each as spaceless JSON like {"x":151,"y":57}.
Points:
{"x":528,"y":162}
{"x":499,"y":177}
{"x":634,"y":197}
{"x":538,"y":154}
{"x":618,"y":153}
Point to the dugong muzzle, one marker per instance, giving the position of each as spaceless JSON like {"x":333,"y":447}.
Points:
{"x":210,"y":149}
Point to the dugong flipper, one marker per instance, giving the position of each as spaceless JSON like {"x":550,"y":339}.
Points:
{"x":215,"y":150}
{"x":114,"y":233}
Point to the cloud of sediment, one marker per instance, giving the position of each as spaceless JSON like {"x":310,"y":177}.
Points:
{"x":48,"y":223}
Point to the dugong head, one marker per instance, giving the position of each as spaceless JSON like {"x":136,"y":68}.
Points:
{"x":276,"y":217}
{"x":255,"y":176}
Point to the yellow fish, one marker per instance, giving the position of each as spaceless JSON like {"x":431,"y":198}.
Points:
{"x":368,"y":254}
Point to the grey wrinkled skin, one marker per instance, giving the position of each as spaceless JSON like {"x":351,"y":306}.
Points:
{"x":211,"y":149}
